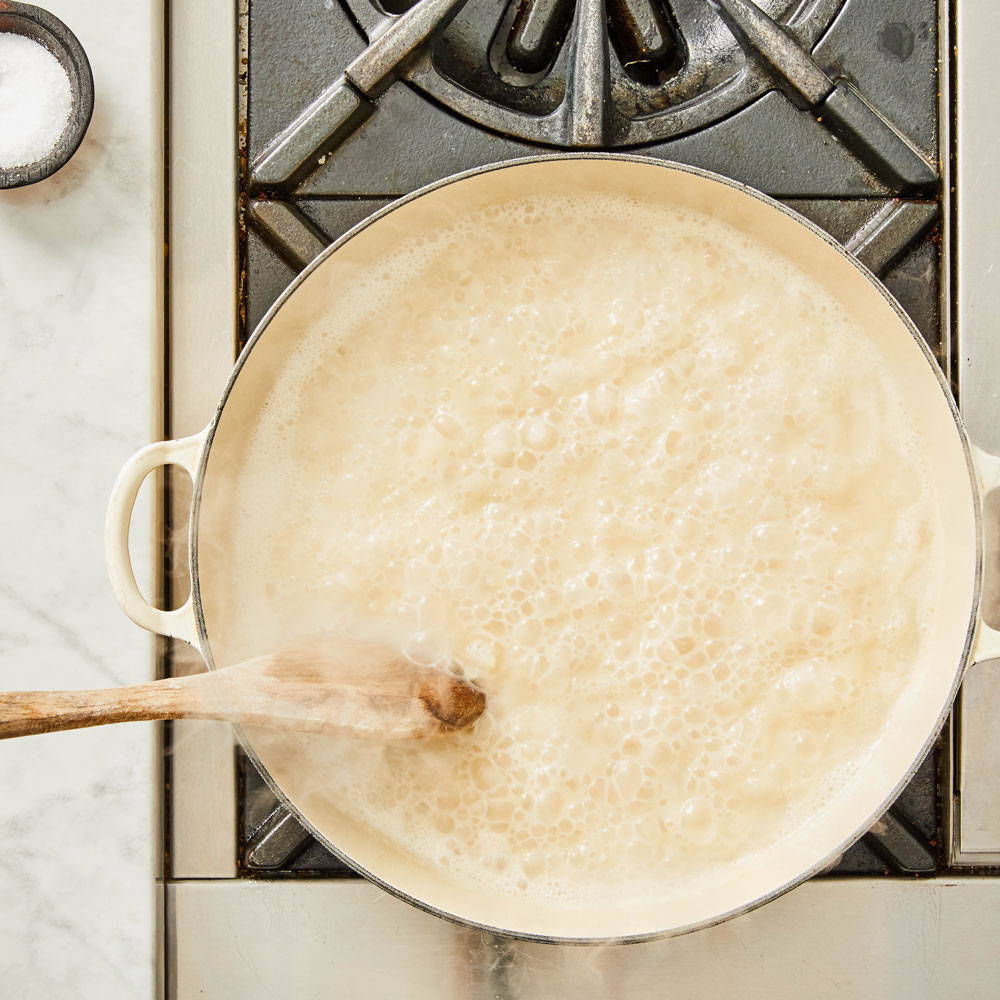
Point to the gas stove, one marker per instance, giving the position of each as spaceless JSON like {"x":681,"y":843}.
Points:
{"x":292,"y":120}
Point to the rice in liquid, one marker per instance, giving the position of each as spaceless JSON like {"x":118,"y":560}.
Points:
{"x":656,"y":496}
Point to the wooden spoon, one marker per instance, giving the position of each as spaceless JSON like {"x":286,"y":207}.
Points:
{"x":330,"y":683}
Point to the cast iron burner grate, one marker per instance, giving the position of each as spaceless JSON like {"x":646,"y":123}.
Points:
{"x":830,"y":105}
{"x":578,"y":74}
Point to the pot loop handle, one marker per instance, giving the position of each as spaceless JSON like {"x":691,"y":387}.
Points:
{"x":180,"y":623}
{"x":986,"y":645}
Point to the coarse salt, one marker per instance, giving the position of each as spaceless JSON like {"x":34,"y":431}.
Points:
{"x":35,"y":100}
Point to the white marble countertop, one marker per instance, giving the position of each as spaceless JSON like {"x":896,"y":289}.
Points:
{"x":79,"y":307}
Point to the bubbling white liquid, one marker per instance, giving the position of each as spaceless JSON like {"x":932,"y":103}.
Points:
{"x":652,"y":490}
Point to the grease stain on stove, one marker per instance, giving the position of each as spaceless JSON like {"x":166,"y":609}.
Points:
{"x":896,"y":40}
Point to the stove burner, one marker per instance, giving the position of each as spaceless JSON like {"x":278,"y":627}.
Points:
{"x":706,"y":61}
{"x":584,"y":73}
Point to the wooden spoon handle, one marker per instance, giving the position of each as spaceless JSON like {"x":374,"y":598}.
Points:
{"x":23,"y":713}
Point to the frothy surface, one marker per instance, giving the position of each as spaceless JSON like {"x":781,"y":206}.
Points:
{"x":649,"y":486}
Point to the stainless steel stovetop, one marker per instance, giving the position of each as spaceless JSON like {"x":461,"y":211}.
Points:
{"x":291,"y":120}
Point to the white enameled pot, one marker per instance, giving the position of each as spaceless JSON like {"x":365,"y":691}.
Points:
{"x":954,"y":638}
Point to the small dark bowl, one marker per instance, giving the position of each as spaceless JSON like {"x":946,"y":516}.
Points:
{"x":46,"y":29}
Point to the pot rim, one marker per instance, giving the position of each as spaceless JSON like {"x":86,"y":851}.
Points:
{"x":964,"y":660}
